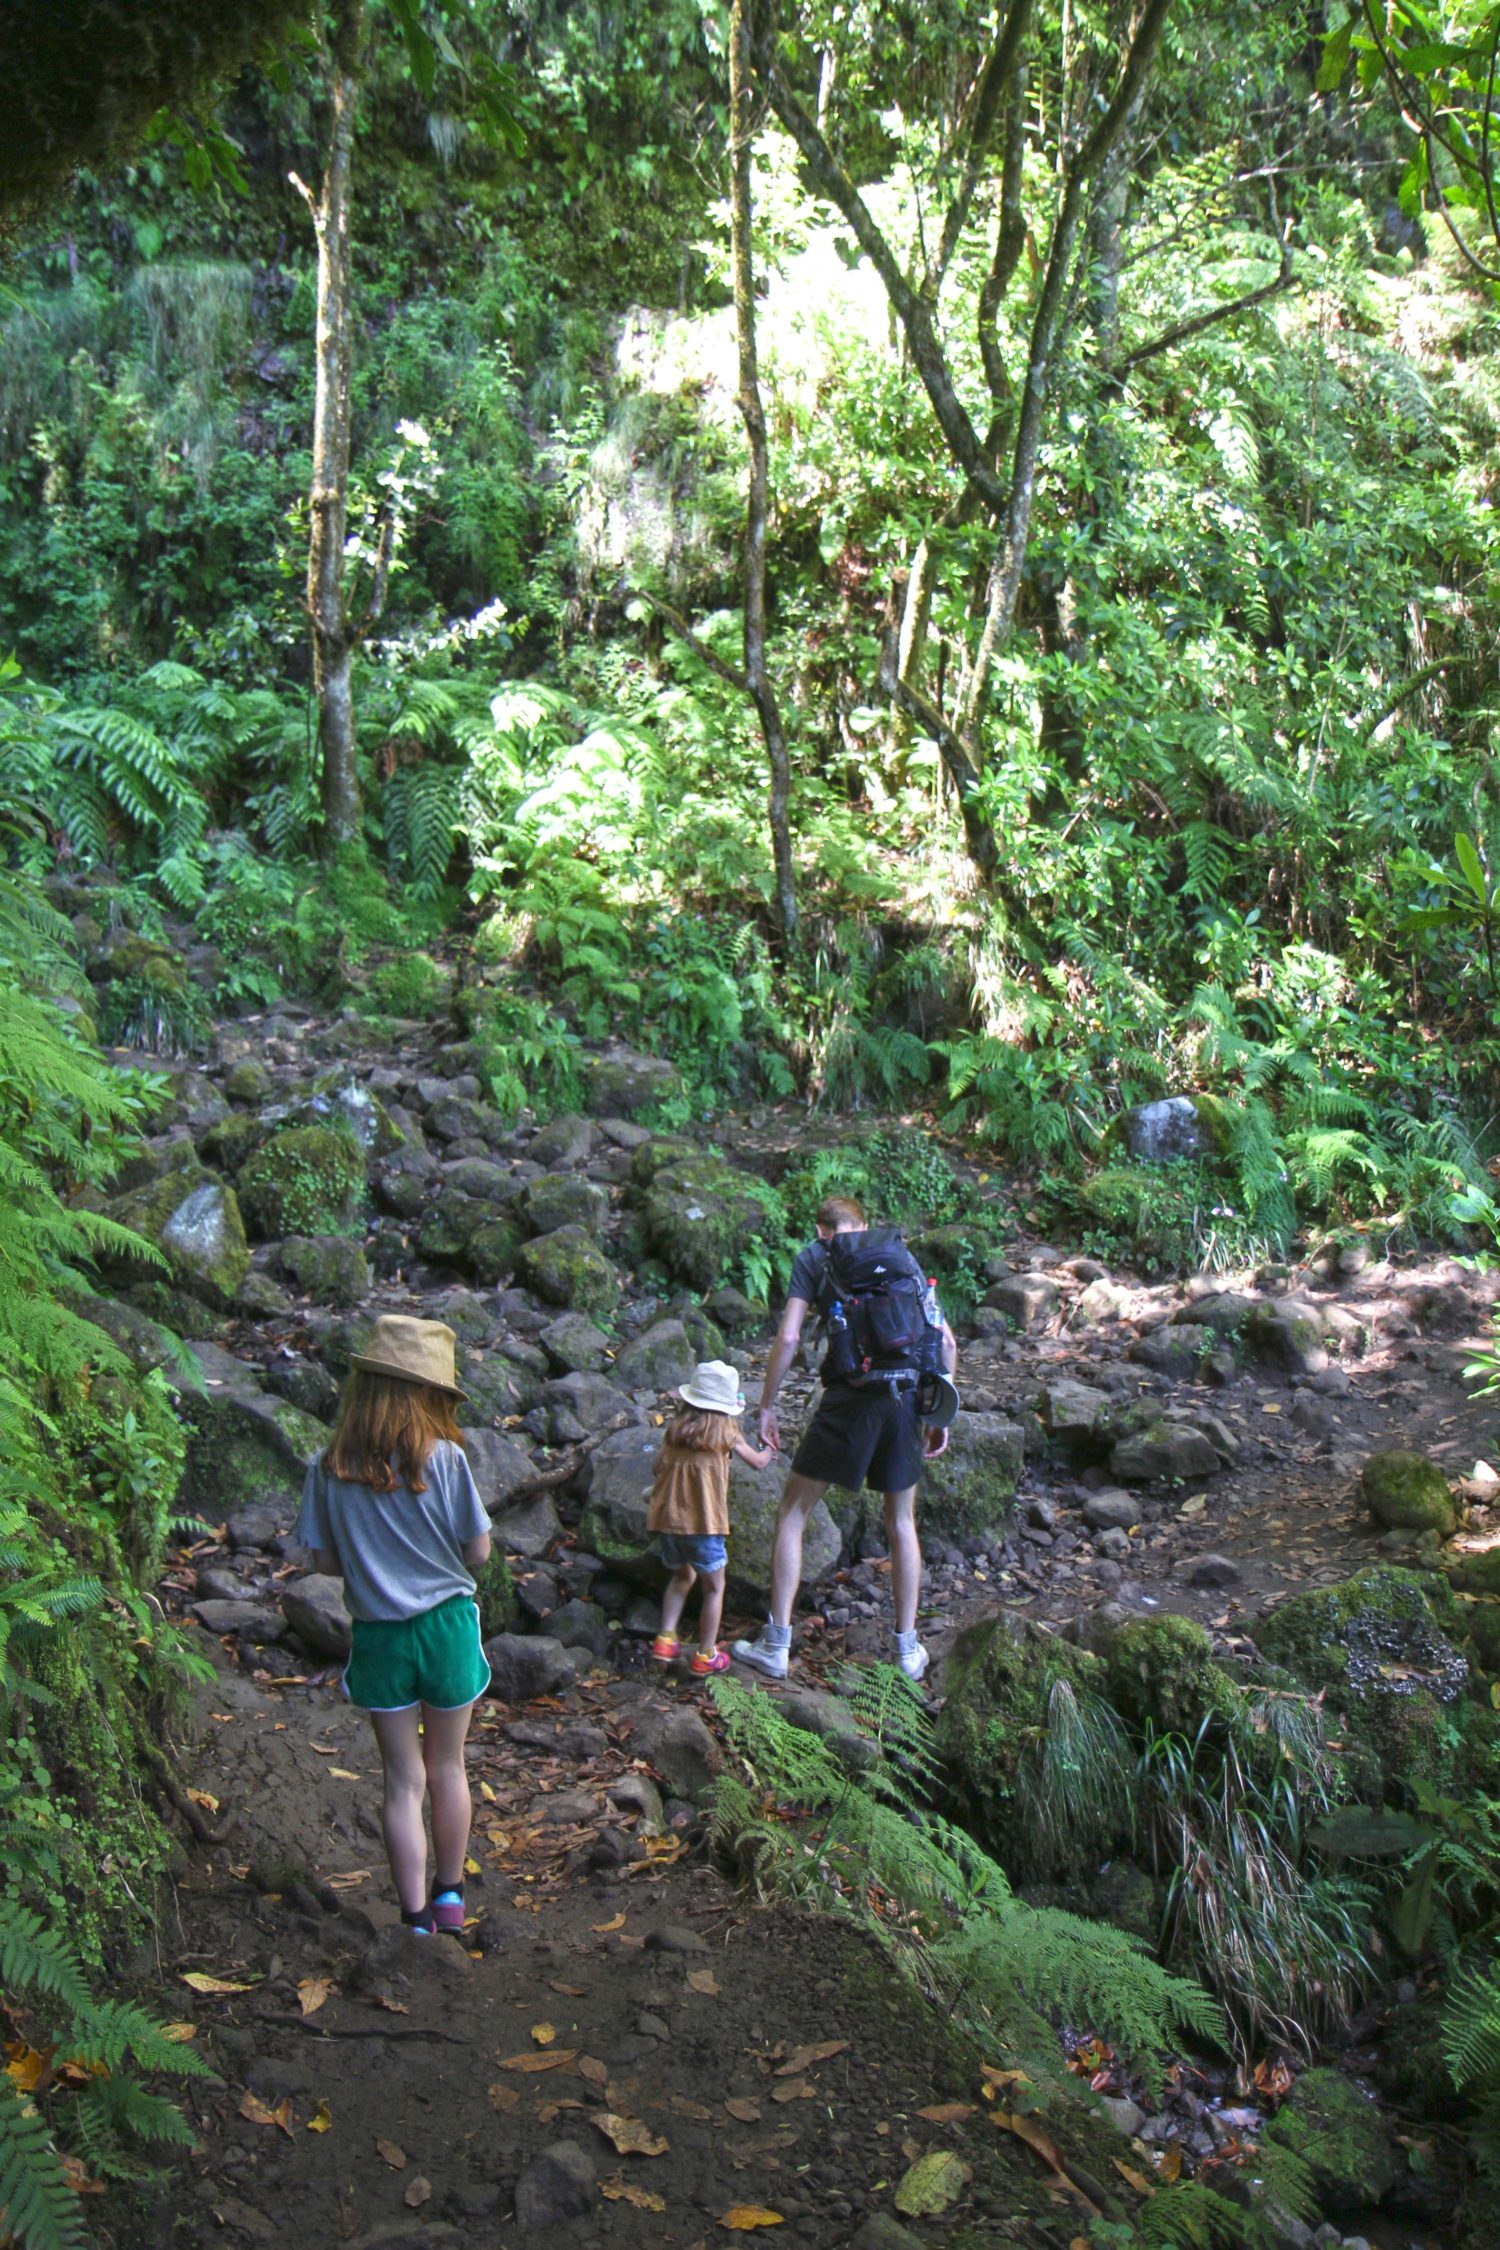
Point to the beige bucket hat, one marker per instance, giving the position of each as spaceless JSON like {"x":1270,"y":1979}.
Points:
{"x":419,"y":1351}
{"x":715,"y":1387}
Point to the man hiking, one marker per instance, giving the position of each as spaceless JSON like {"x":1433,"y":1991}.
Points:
{"x":886,"y":1403}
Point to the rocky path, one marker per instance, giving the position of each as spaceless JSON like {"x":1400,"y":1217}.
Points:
{"x":1125,"y":1448}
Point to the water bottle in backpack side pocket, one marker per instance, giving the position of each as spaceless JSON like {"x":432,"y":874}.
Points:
{"x":840,"y":1362}
{"x":932,"y":1338}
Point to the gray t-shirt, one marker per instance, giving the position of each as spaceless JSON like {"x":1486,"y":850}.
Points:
{"x":400,"y":1552}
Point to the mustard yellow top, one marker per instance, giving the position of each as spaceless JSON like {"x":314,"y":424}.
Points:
{"x":690,"y":1490}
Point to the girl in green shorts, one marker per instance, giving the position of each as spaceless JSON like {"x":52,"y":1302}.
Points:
{"x":391,"y":1507}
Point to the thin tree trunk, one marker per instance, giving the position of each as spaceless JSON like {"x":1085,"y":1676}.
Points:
{"x":762,"y":693}
{"x":333,"y":641}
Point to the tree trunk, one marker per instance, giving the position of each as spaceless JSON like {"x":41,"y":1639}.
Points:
{"x":762,"y":693}
{"x":327,"y":606}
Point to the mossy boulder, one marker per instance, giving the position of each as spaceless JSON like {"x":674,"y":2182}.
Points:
{"x":346,"y":1103}
{"x":969,"y":1491}
{"x":305,"y":1180}
{"x":1477,"y":1573}
{"x":128,"y":956}
{"x":699,"y":1214}
{"x":1407,"y":1492}
{"x":233,"y":1140}
{"x":1164,"y":1669}
{"x":495,"y":1593}
{"x":567,"y":1268}
{"x":330,"y":1268}
{"x":249,"y":1083}
{"x":659,"y":1359}
{"x":563,"y":1200}
{"x":1337,"y":2131}
{"x":623,"y":1083}
{"x":997,"y":1681}
{"x":195,"y":1223}
{"x":614,"y":1521}
{"x":491,"y":1252}
{"x":244,"y":1445}
{"x":1382,"y":1646}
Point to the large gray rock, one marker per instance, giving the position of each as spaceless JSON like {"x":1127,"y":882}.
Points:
{"x":556,"y":2186}
{"x":1223,"y":1310}
{"x":578,"y":1624}
{"x":563,"y":1200}
{"x":500,"y":1466}
{"x":682,"y":1750}
{"x":314,"y":1609}
{"x":329,"y":1268}
{"x":1163,"y":1449}
{"x":1074,"y":1415}
{"x":573,"y":1345}
{"x":1028,"y":1300}
{"x":483,"y":1181}
{"x":566,"y":1268}
{"x":1160,"y":1132}
{"x":1111,"y":1510}
{"x":592,"y":1401}
{"x":252,"y":1621}
{"x":969,"y":1491}
{"x":1173,"y":1350}
{"x":614,"y":1522}
{"x":244,"y":1445}
{"x":659,"y":1359}
{"x":522,"y":1667}
{"x":529,"y":1527}
{"x":1288,"y":1333}
{"x":566,"y":1140}
{"x":622,"y":1082}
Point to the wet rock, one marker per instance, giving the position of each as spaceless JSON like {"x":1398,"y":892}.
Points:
{"x":1164,"y":1449}
{"x":1288,"y":1334}
{"x":259,"y":1525}
{"x":563,"y":1200}
{"x":1173,"y":1350}
{"x":556,"y":2185}
{"x":660,"y":1359}
{"x":1165,"y":1131}
{"x":622,"y":1082}
{"x":1337,"y":2131}
{"x":329,"y":1268}
{"x":522,"y":1668}
{"x":683,"y":1752}
{"x":1075,"y":1415}
{"x":1112,"y":1509}
{"x":1212,"y":1570}
{"x":314,"y":1609}
{"x":564,"y":1140}
{"x":566,"y":1268}
{"x":252,"y":1621}
{"x":578,"y":1624}
{"x":1027,"y":1300}
{"x":573,"y":1345}
{"x":1405,"y":1491}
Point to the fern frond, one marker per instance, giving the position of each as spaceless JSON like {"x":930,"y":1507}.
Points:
{"x":37,"y":2204}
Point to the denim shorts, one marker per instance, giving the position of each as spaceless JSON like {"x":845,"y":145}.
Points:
{"x":705,"y":1550}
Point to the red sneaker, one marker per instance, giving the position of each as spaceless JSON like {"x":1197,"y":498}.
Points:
{"x":665,"y":1649}
{"x":706,"y":1661}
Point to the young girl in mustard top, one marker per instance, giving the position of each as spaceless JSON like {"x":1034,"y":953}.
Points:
{"x":690,"y":1507}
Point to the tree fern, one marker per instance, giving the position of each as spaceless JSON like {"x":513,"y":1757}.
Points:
{"x":38,"y":2206}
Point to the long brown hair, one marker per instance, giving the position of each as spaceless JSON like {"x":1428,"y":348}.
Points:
{"x":697,"y":1430}
{"x":386,"y":1429}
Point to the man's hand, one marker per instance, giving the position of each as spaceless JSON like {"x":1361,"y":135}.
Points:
{"x":934,"y":1442}
{"x":769,"y":1427}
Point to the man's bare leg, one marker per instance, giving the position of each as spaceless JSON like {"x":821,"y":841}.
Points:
{"x":906,"y":1556}
{"x":801,"y":1496}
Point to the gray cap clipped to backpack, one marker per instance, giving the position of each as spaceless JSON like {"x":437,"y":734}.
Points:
{"x":937,"y":1400}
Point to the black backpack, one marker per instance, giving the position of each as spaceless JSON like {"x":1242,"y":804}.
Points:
{"x":873,"y":1299}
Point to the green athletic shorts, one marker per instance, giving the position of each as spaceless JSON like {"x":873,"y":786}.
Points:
{"x":432,"y":1658}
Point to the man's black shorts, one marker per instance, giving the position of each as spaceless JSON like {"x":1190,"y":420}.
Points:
{"x":863,"y":1437}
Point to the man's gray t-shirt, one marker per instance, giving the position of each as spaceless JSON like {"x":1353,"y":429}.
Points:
{"x":400,"y":1552}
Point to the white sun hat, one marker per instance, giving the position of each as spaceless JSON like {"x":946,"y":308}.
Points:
{"x":715,"y":1387}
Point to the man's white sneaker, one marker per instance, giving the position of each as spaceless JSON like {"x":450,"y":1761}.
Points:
{"x":911,"y":1656}
{"x":770,"y":1652}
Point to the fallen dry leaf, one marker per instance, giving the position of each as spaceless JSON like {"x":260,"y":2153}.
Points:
{"x":543,"y":2033}
{"x":596,"y":2072}
{"x":602,"y":1929}
{"x":744,"y":2110}
{"x":948,"y":2113}
{"x":202,"y":1797}
{"x":179,"y":2033}
{"x":394,"y":2156}
{"x":685,"y":2108}
{"x":704,"y":1981}
{"x":418,"y":2193}
{"x":569,"y":1991}
{"x":347,"y":1882}
{"x":795,"y":2090}
{"x":746,"y":2216}
{"x":26,"y":2067}
{"x":342,"y":1773}
{"x":257,"y":2112}
{"x":78,"y":2178}
{"x":503,"y":2098}
{"x":321,"y":2119}
{"x":1137,"y":2179}
{"x":202,"y":1983}
{"x":555,"y":2058}
{"x":1027,"y":2129}
{"x":1170,"y":2167}
{"x":803,"y":2058}
{"x":629,"y":2136}
{"x":934,"y":2181}
{"x":391,"y":2007}
{"x":312,"y":1992}
{"x":625,"y":2191}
